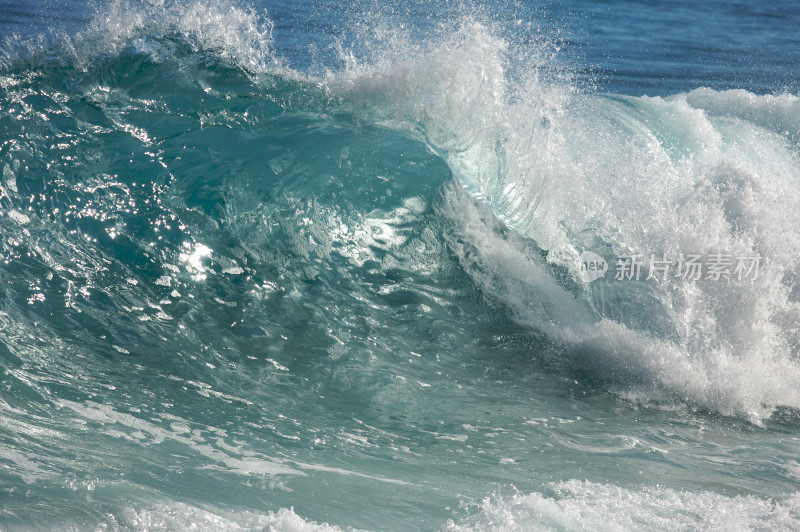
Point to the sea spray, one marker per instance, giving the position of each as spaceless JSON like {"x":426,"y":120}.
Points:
{"x":241,"y":293}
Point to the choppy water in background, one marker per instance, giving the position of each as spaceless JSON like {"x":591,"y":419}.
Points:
{"x":293,"y":266}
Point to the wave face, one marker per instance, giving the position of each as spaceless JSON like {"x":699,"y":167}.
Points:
{"x":241,"y":294}
{"x":711,"y":172}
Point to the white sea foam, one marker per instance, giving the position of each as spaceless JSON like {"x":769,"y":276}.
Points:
{"x":576,"y":505}
{"x":570,"y":505}
{"x":180,"y":516}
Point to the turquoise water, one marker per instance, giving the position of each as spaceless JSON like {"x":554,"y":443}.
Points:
{"x":318,"y":267}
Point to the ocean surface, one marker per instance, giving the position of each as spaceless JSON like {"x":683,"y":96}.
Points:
{"x":426,"y":265}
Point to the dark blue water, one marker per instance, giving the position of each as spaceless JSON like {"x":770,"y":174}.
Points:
{"x":300,"y":266}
